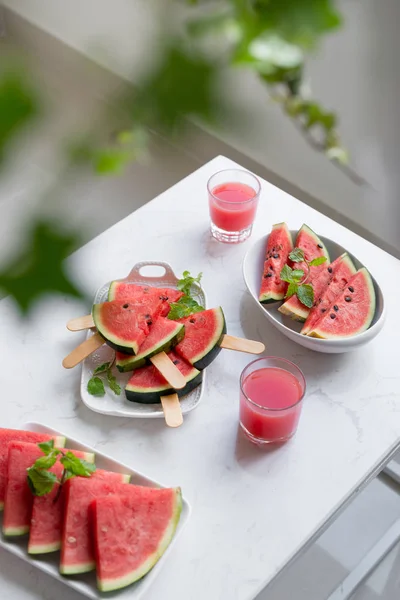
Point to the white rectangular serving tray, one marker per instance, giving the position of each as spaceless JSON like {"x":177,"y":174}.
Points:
{"x":119,"y":406}
{"x":86,"y":584}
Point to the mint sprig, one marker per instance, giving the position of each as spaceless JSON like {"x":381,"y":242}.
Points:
{"x":293,"y":277}
{"x":41,"y":480}
{"x":95,"y":385}
{"x":186,"y":305}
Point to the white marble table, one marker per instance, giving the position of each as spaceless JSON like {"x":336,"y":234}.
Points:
{"x":253,"y":511}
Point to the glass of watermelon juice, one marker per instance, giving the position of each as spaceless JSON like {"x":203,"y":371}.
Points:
{"x":233,"y":198}
{"x":271,"y":396}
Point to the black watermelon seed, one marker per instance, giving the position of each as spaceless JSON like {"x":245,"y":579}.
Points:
{"x":320,"y":246}
{"x":275,"y":256}
{"x":176,"y":362}
{"x":329,"y":269}
{"x":333,"y":316}
{"x":320,"y":300}
{"x":351,"y":289}
{"x":347,"y":298}
{"x":192,"y":320}
{"x":271,"y":267}
{"x":163,"y":298}
{"x":267,"y":275}
{"x":149,"y":322}
{"x":336,"y":307}
{"x":125,"y":306}
{"x":323,"y":310}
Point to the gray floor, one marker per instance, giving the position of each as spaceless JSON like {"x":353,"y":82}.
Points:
{"x":96,"y":203}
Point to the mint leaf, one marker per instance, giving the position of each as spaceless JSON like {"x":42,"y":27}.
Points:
{"x":292,"y":290}
{"x":102,"y":368}
{"x":305,"y":294}
{"x":95,"y":387}
{"x":112,"y":382}
{"x":40,"y":481}
{"x":183,"y":308}
{"x":297,"y":275}
{"x":286,"y":274}
{"x":297,"y":255}
{"x":47,"y":447}
{"x":317,"y":261}
{"x":46,"y":462}
{"x":185,"y":284}
{"x":77,"y":466}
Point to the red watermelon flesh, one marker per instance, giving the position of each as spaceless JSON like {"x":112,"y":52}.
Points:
{"x":77,"y":554}
{"x":121,"y":290}
{"x":341,"y":276}
{"x":17,"y":435}
{"x":124,"y":324}
{"x":351,"y":312}
{"x":279,"y":246}
{"x":47,"y":514}
{"x":132,"y":530}
{"x":164,"y":334}
{"x":313,"y":247}
{"x":204,"y":332}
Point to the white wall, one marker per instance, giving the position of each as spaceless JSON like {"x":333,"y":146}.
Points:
{"x":355,"y":73}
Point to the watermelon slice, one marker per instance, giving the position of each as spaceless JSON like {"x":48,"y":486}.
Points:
{"x":147,"y":384}
{"x":122,"y":290}
{"x":124,"y":325}
{"x":204,"y":332}
{"x":16,"y":435}
{"x":351,"y":312}
{"x":340,"y":277}
{"x":313,"y":247}
{"x":132,"y":531}
{"x":279,"y":246}
{"x":164,"y":335}
{"x":18,"y":498}
{"x":47,"y":514}
{"x":76,"y":545}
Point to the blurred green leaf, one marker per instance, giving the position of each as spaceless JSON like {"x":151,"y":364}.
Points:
{"x":38,"y":270}
{"x":181,"y":86}
{"x":301,"y":22}
{"x":18,"y":105}
{"x":275,"y":53}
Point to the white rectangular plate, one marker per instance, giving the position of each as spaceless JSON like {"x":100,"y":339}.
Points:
{"x":86,"y":584}
{"x":119,"y":406}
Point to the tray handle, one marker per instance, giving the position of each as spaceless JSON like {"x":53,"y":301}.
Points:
{"x":135,"y":274}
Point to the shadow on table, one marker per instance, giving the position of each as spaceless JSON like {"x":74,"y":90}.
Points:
{"x":247,"y":453}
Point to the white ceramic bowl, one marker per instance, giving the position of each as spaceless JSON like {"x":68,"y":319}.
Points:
{"x":252,"y":270}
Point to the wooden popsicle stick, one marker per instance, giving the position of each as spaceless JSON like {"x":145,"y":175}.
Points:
{"x":172,"y":410}
{"x":230,"y":342}
{"x":168,"y":370}
{"x":82,"y":351}
{"x":81,"y":323}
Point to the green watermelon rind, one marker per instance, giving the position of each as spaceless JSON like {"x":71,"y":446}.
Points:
{"x":204,"y":358}
{"x":271,"y":297}
{"x":153,"y":395}
{"x":109,"y":337}
{"x":130,"y":363}
{"x":48,"y":548}
{"x":110,"y":585}
{"x":301,"y":314}
{"x":316,"y":333}
{"x":345,"y":259}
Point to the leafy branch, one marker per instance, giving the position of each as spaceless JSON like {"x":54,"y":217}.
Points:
{"x":186,"y":305}
{"x":95,"y":385}
{"x":296,"y":278}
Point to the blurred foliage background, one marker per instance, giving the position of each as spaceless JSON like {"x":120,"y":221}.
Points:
{"x":270,"y":38}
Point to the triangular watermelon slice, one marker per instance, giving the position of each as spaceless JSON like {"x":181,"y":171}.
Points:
{"x":313,"y":248}
{"x":132,"y":530}
{"x":340,"y":277}
{"x":47,"y":513}
{"x":76,"y":546}
{"x":16,"y":435}
{"x":204,"y":332}
{"x":164,"y":335}
{"x":122,"y":290}
{"x":351,"y":312}
{"x":279,"y":246}
{"x":124,"y":324}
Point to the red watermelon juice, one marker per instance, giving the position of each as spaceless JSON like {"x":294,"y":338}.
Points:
{"x":233,"y":198}
{"x":271,"y":396}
